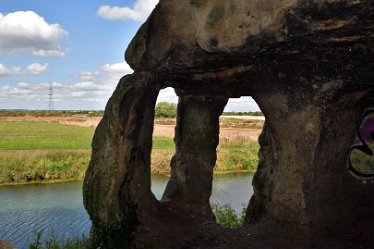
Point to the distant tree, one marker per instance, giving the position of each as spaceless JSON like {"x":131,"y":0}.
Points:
{"x":243,"y":113}
{"x":165,"y":110}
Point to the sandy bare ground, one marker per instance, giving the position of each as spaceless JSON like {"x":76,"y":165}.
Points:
{"x":225,"y":133}
{"x":228,"y":134}
{"x":83,"y":121}
{"x":245,"y":117}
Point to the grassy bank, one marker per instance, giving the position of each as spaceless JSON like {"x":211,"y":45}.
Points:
{"x":35,"y":165}
{"x":55,"y":243}
{"x":34,"y":151}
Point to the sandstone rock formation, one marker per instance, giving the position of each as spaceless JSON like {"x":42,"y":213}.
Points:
{"x":309,"y":64}
{"x":6,"y":244}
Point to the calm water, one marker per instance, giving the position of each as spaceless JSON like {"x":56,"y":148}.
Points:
{"x":57,"y":208}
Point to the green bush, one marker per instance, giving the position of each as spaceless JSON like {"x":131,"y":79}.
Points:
{"x":165,"y":110}
{"x":227,"y":217}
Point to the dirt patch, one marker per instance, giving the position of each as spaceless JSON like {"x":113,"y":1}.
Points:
{"x":244,"y":117}
{"x":227,"y":134}
{"x":80,"y":120}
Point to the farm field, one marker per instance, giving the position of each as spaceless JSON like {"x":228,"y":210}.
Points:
{"x":58,"y":148}
{"x":232,"y":127}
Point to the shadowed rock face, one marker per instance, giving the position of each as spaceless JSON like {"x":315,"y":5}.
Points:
{"x":310,"y":67}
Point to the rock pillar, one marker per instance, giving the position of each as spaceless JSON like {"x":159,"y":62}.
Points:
{"x":117,"y":184}
{"x":196,"y":139}
{"x":303,"y":180}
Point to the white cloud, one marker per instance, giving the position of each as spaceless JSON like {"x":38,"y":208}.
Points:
{"x":168,"y":95}
{"x":9,"y":70}
{"x":34,"y":68}
{"x":122,"y":68}
{"x":103,"y":81}
{"x":87,"y":76}
{"x":37,"y":68}
{"x":87,"y":85}
{"x":48,"y":53}
{"x":7,"y":92}
{"x":100,"y":83}
{"x":92,"y":92}
{"x":242,"y":104}
{"x":98,"y":86}
{"x":139,"y":12}
{"x":23,"y":84}
{"x":78,"y":94}
{"x":95,"y":87}
{"x":27,"y":32}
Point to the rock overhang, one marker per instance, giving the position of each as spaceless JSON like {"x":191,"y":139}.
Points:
{"x":199,"y":36}
{"x":308,"y":64}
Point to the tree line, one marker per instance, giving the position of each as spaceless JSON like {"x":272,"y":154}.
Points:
{"x":162,"y":110}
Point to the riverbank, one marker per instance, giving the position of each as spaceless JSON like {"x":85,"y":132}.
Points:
{"x":35,"y":151}
{"x":58,"y":208}
{"x":26,"y":166}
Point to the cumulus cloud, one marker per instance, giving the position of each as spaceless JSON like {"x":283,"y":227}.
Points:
{"x":34,"y":68}
{"x":91,"y":92}
{"x":9,"y":70}
{"x":118,"y":68}
{"x":37,"y":68}
{"x":168,"y":95}
{"x":243,"y":104}
{"x":87,"y":85}
{"x":78,"y":94}
{"x":87,"y":76}
{"x":138,"y":12}
{"x":12,"y":94}
{"x":27,"y":32}
{"x":23,"y":84}
{"x":101,"y":82}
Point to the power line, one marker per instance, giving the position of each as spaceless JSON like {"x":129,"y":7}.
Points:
{"x":50,"y":97}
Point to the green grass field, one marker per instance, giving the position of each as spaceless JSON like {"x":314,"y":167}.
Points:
{"x":39,"y":150}
{"x":32,"y":135}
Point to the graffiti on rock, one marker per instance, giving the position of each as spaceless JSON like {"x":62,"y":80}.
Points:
{"x":361,"y":158}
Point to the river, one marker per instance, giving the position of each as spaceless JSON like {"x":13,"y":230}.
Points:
{"x":57,"y":208}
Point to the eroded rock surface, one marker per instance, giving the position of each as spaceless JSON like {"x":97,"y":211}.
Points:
{"x":6,"y":244}
{"x":309,"y":65}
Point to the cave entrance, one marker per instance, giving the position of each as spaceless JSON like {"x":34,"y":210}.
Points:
{"x":237,"y":160}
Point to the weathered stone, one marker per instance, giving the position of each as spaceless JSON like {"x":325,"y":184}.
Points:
{"x":6,"y":244}
{"x":206,"y":35}
{"x":196,"y":139}
{"x":309,"y":64}
{"x":117,"y":184}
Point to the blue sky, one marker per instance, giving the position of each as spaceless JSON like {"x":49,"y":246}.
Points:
{"x":75,"y":45}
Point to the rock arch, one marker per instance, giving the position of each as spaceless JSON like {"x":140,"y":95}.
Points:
{"x":310,"y":67}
